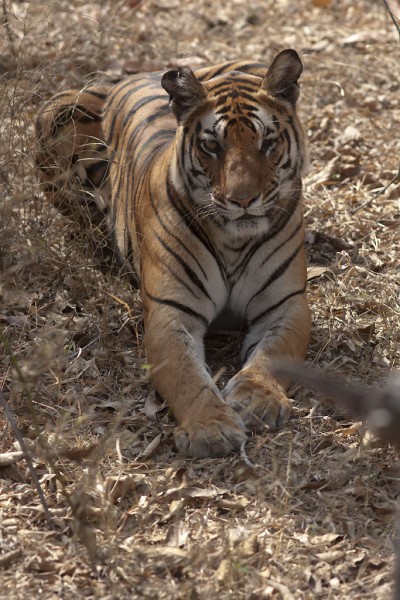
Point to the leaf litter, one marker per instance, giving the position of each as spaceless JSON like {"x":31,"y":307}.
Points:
{"x":307,"y":512}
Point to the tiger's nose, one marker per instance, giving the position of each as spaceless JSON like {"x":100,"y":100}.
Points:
{"x":244,"y":201}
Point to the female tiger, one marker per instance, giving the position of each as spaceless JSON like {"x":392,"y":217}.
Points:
{"x":199,"y":179}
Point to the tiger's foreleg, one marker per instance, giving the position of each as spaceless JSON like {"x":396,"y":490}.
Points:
{"x":174,"y":348}
{"x":253,"y":392}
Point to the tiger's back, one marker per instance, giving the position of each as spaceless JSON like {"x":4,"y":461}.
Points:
{"x":82,"y":133}
{"x":199,"y":181}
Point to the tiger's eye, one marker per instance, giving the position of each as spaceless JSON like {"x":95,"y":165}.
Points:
{"x":210,"y":146}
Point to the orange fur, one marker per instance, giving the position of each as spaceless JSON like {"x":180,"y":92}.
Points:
{"x":204,"y":200}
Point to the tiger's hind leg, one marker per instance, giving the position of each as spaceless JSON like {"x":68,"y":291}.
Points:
{"x":73,"y":161}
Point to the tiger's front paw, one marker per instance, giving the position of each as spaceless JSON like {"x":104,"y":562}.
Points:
{"x":211,"y":434}
{"x":259,"y":400}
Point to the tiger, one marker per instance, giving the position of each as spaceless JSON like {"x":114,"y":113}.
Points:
{"x":198,"y":175}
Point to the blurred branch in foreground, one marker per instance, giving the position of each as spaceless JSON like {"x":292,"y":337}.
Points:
{"x":379,"y":407}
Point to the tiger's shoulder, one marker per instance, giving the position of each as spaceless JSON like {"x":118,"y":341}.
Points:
{"x":75,"y":129}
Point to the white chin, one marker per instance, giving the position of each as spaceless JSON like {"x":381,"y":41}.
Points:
{"x":248,"y":227}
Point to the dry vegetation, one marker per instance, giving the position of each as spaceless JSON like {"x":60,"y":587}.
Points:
{"x":313,"y":516}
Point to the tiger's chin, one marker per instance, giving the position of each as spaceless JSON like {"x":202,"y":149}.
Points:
{"x":248,"y":226}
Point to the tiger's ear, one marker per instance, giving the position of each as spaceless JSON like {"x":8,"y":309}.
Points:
{"x":185,"y":91}
{"x":282,"y":76}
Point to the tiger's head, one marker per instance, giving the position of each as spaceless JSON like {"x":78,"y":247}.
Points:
{"x":240,"y":149}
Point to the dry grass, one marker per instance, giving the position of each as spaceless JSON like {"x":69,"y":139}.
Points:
{"x":313,"y":518}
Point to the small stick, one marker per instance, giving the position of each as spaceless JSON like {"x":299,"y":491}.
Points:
{"x":394,"y":19}
{"x":244,"y":456}
{"x":7,"y":27}
{"x":376,"y":195}
{"x":27,"y":456}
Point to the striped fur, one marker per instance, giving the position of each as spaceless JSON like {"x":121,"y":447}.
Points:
{"x":199,"y":179}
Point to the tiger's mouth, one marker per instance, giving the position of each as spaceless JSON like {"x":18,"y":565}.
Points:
{"x":249,"y":217}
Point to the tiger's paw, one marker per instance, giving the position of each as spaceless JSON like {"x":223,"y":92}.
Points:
{"x":211,"y":435}
{"x":260,"y":401}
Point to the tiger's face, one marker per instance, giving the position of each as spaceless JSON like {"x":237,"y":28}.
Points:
{"x":242,"y":158}
{"x":241,"y":145}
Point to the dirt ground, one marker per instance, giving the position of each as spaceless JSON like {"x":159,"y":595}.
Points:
{"x":310,"y":514}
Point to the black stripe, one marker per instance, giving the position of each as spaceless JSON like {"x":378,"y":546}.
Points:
{"x":161,"y":133}
{"x":188,"y":270}
{"x":249,"y":66}
{"x":250,"y":350}
{"x":220,"y":119}
{"x":272,"y":330}
{"x":194,"y":226}
{"x":245,"y":83}
{"x":76,"y":113}
{"x":210,"y":132}
{"x":223,"y":110}
{"x":211,"y":74}
{"x":133,"y":84}
{"x":161,"y":111}
{"x":222,"y":99}
{"x":93,"y":92}
{"x":232,"y":121}
{"x":288,"y":141}
{"x":274,"y":307}
{"x":250,"y":107}
{"x":145,"y":101}
{"x":248,"y":123}
{"x":279,"y":271}
{"x":291,"y":236}
{"x":132,"y":165}
{"x":116,"y":109}
{"x":276,"y":228}
{"x":181,"y":281}
{"x":176,"y":238}
{"x":173,"y":304}
{"x":218,"y":86}
{"x":66,"y":94}
{"x":284,"y":217}
{"x":243,"y":93}
{"x":96,"y":174}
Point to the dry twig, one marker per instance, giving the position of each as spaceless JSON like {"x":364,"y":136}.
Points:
{"x":10,"y":416}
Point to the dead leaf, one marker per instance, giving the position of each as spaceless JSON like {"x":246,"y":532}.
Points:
{"x":9,"y":557}
{"x":328,"y":175}
{"x":315,"y":271}
{"x":352,"y":430}
{"x":153,"y":406}
{"x":16,"y":321}
{"x":195,"y":492}
{"x":325,"y":538}
{"x":9,"y":458}
{"x":350,"y":134}
{"x":284,"y":591}
{"x":236,"y":504}
{"x":152,"y":447}
{"x":331,"y":556}
{"x":127,"y":439}
{"x":177,"y":535}
{"x":175,"y":510}
{"x":119,"y":487}
{"x":226,"y":572}
{"x":77,"y":454}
